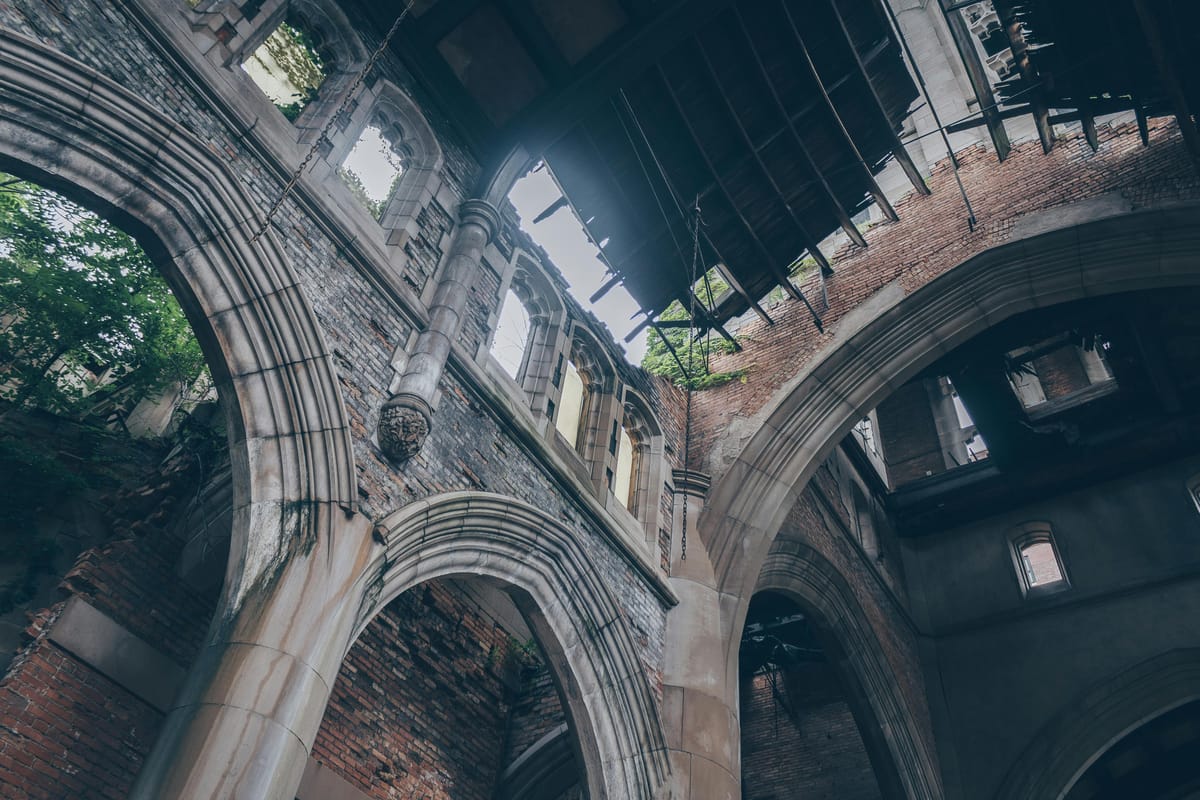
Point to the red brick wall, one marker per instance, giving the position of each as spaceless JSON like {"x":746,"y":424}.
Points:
{"x":421,"y":705}
{"x":1060,"y":372}
{"x":814,"y":752}
{"x":932,"y":237}
{"x":536,"y":711}
{"x":66,"y":731}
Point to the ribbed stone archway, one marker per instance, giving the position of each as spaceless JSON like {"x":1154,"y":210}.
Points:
{"x":1100,"y":716}
{"x":797,"y":570}
{"x":871,"y":359}
{"x":69,"y":128}
{"x":577,"y":621}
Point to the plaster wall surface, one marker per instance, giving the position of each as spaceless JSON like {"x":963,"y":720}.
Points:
{"x":1002,"y":666}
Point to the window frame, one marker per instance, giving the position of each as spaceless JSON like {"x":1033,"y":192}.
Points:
{"x":1024,"y":536}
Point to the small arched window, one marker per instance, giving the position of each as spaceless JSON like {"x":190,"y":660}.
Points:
{"x":1038,"y":564}
{"x":572,"y":402}
{"x":625,"y":481}
{"x":373,"y":168}
{"x":289,"y":66}
{"x":511,"y":341}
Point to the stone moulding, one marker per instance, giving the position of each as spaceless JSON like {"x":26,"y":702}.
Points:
{"x":64,"y":125}
{"x":1098,"y":718}
{"x":1153,"y":248}
{"x":580,"y":626}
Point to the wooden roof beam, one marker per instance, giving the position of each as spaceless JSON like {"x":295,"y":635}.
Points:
{"x":872,"y":185}
{"x":839,"y":209}
{"x":898,"y":149}
{"x":964,"y":41}
{"x":1157,"y":43}
{"x":778,"y":271}
{"x":1037,"y":100}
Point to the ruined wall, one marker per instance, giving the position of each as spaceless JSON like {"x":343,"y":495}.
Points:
{"x":800,"y":740}
{"x":931,"y":237}
{"x":362,"y":320}
{"x":821,"y":520}
{"x":420,"y":708}
{"x":66,"y":727}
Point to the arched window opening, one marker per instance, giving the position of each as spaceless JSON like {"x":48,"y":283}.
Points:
{"x":511,"y":340}
{"x":289,"y":66}
{"x":1036,"y":558}
{"x":116,"y":476}
{"x":571,"y":403}
{"x":625,"y":484}
{"x":374,"y":167}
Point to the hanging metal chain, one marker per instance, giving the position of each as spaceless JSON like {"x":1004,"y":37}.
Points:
{"x":347,"y":100}
{"x":687,"y":418}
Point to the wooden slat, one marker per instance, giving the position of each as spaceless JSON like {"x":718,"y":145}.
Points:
{"x":898,"y":148}
{"x":964,"y":40}
{"x":839,"y":210}
{"x":1153,"y":34}
{"x":778,"y":271}
{"x":831,"y":196}
{"x":865,"y":171}
{"x":1037,"y":95}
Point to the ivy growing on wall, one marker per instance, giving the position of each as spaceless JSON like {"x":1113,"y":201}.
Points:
{"x":695,"y":371}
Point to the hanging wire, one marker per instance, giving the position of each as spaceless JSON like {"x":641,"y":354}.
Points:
{"x":687,"y":417}
{"x":348,"y":99}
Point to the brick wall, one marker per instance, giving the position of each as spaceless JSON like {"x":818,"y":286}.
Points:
{"x":535,"y":712}
{"x":909,"y":435}
{"x":932,"y":237}
{"x":805,"y":744}
{"x":66,"y":730}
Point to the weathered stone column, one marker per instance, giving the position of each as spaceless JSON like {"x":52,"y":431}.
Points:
{"x":247,"y":716}
{"x":700,"y":711}
{"x":406,"y":417}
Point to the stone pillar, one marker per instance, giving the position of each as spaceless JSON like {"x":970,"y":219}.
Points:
{"x":407,"y":415}
{"x":700,"y":712}
{"x":247,"y":716}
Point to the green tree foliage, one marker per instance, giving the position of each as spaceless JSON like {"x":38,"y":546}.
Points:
{"x":79,"y":298}
{"x":659,"y":361}
{"x":297,"y":56}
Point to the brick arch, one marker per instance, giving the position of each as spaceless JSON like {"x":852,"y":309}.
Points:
{"x":1098,"y":718}
{"x":67,"y":127}
{"x":871,"y":358}
{"x":902,"y":758}
{"x":577,"y":621}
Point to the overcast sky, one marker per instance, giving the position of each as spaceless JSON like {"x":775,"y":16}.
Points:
{"x":563,"y":238}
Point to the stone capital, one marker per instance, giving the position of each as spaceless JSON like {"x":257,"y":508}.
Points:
{"x":404,"y":423}
{"x":481,"y":213}
{"x":692,"y":482}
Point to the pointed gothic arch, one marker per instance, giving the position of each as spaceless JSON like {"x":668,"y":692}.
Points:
{"x":566,"y":600}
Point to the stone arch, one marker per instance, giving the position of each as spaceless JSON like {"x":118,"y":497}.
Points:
{"x":1099,"y":717}
{"x":574,"y":615}
{"x":872,"y":356}
{"x":67,"y":127}
{"x":902,"y":758}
